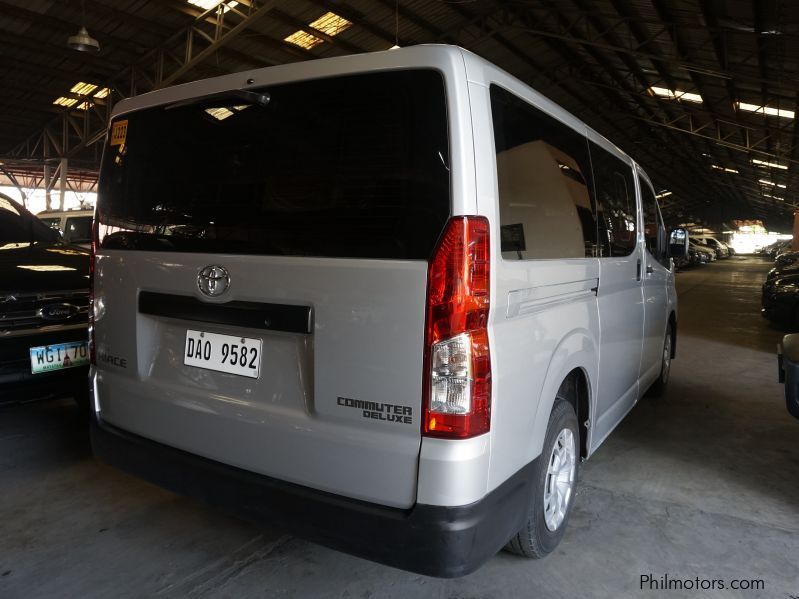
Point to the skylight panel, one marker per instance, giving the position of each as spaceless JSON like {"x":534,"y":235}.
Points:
{"x":329,"y":23}
{"x":767,"y":110}
{"x":83,"y":89}
{"x":724,"y":169}
{"x":303,"y":40}
{"x":768,"y":164}
{"x":63,"y":101}
{"x":675,"y":94}
{"x":220,"y":113}
{"x":209,"y":4}
{"x":772,"y":183}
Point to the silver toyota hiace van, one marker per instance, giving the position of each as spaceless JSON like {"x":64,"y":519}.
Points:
{"x":386,"y":301}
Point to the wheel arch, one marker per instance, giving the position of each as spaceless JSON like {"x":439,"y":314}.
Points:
{"x":571,"y":375}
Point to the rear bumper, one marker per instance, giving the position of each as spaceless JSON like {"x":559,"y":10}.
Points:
{"x":432,"y":540}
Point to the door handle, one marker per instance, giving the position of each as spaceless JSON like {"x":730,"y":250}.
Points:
{"x":638,"y":270}
{"x":649,"y":269}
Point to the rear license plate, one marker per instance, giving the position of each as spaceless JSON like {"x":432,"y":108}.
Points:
{"x":223,"y":353}
{"x":59,"y":356}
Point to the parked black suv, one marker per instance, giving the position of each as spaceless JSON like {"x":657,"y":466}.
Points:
{"x":44,"y":304}
{"x":780,"y":300}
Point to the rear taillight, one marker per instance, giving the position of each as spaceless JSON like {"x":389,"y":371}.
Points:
{"x":92,"y":354}
{"x":457,"y":376}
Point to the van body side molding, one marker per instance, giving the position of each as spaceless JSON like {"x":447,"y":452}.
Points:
{"x":533,"y":299}
{"x":253,"y":315}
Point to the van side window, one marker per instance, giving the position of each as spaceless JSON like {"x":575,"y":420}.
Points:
{"x":78,"y":229}
{"x":615,"y":193}
{"x":654,"y":231}
{"x":546,"y":208}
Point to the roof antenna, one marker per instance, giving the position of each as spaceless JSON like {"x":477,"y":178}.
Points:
{"x":82,"y":41}
{"x":396,"y":26}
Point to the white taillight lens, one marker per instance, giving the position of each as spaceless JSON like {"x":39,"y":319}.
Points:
{"x":451,"y":380}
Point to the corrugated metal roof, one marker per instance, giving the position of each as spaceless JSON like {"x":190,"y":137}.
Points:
{"x":597,"y":58}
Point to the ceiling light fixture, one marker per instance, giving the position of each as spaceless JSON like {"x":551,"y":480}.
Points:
{"x":82,"y":41}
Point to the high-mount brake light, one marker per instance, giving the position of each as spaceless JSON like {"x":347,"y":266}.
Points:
{"x":457,"y":376}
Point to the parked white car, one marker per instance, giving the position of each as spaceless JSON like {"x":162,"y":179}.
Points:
{"x":389,"y":301}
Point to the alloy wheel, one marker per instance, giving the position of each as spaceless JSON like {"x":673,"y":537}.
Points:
{"x":559,"y":483}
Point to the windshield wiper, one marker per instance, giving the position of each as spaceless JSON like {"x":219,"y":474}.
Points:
{"x":241,"y":95}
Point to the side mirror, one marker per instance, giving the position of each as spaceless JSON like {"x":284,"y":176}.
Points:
{"x":678,"y":243}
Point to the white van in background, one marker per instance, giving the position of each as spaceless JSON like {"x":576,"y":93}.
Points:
{"x":74,"y":225}
{"x":720,"y":248}
{"x":387,"y":301}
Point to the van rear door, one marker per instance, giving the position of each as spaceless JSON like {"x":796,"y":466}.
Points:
{"x":294,"y":231}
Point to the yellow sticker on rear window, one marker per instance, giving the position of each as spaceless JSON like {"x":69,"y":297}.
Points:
{"x":119,"y":131}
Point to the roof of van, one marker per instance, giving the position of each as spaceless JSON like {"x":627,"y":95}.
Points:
{"x":408,"y":57}
{"x":422,"y":55}
{"x":71,"y":212}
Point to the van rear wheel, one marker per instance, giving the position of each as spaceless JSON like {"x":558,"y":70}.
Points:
{"x":555,"y":481}
{"x":659,"y":386}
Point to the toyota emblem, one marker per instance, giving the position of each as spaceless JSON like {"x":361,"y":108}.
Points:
{"x":213,"y":281}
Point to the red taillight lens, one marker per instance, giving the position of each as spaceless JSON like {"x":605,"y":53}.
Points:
{"x":457,"y":377}
{"x":92,"y":354}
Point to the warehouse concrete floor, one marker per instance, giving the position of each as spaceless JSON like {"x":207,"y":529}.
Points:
{"x":701,"y":483}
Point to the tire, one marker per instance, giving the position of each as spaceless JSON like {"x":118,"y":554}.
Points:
{"x":542,"y":532}
{"x":658,"y":388}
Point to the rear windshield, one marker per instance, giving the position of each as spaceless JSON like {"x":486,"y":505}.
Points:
{"x":354,"y":166}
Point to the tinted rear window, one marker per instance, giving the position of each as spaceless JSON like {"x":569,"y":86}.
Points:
{"x":354,"y":166}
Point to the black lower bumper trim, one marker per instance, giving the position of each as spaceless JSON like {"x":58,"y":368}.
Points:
{"x":432,"y":540}
{"x":24,"y":386}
